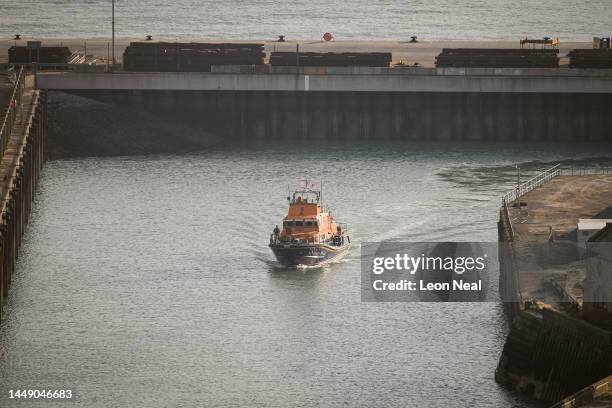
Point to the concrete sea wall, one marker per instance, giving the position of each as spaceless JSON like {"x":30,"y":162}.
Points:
{"x":508,"y":280}
{"x":226,"y":116}
{"x":80,"y":126}
{"x":547,"y":354}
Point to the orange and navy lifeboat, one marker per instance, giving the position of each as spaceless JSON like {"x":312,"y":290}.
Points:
{"x":310,"y":235}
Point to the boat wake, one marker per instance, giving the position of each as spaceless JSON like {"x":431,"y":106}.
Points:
{"x":278,"y":267}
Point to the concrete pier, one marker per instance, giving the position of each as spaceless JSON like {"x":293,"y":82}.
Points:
{"x":552,"y":350}
{"x":237,"y":103}
{"x":22,"y":157}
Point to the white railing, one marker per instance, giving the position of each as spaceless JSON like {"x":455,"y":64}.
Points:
{"x":541,"y":179}
{"x":523,"y":189}
{"x":531,"y":184}
{"x":11,"y":112}
{"x":548,"y":175}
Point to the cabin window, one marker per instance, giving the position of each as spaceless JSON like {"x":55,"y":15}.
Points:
{"x":288,"y":223}
{"x":309,"y":223}
{"x":299,"y":223}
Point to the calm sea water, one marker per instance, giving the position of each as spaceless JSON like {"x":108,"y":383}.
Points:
{"x":147,"y":282}
{"x":308,"y":19}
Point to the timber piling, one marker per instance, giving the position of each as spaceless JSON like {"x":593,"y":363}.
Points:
{"x":22,"y":147}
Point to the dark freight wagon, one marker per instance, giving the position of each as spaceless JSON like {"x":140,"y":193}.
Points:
{"x":189,"y":57}
{"x":498,"y":58}
{"x":331,"y":59}
{"x":39,"y":54}
{"x":590,"y":58}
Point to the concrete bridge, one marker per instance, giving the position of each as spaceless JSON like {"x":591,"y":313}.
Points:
{"x":263,"y":102}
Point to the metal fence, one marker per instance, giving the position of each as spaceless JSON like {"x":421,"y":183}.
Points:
{"x":63,"y":67}
{"x":11,"y":112}
{"x":585,"y":171}
{"x":531,"y":184}
{"x":549,"y":174}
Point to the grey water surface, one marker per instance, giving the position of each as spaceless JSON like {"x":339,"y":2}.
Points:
{"x":147,"y":281}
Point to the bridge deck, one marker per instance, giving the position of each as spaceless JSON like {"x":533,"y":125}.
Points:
{"x":453,"y":80}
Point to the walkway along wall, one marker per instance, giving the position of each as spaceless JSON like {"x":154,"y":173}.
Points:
{"x":547,"y":355}
{"x":20,"y":168}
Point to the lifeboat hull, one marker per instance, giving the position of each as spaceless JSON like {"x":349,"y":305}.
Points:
{"x":309,"y":254}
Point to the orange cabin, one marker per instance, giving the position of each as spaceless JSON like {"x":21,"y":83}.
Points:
{"x":306,"y":221}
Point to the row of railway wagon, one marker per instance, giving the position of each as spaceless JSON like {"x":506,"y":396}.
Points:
{"x":47,"y":55}
{"x":200,"y":57}
{"x":146,"y":56}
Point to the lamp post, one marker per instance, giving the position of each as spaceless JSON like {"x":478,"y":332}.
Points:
{"x":518,"y":186}
{"x":113,"y":39}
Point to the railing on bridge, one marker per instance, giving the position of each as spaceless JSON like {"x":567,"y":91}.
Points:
{"x":11,"y":112}
{"x":531,"y":184}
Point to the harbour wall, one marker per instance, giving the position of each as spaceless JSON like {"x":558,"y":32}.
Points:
{"x":509,"y":287}
{"x":22,"y":158}
{"x":245,"y":103}
{"x":547,"y":355}
{"x":230,"y":116}
{"x":594,"y":395}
